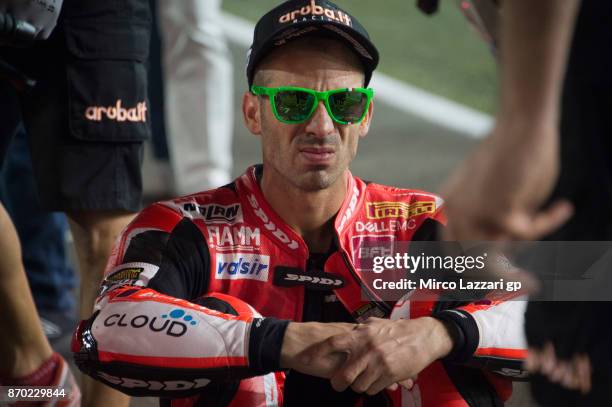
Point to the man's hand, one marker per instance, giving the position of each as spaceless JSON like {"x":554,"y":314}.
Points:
{"x":497,"y":193}
{"x":381,"y":353}
{"x":573,"y":374}
{"x":300,"y":337}
{"x":41,"y":14}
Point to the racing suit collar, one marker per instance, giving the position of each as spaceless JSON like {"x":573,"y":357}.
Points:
{"x":263,"y":214}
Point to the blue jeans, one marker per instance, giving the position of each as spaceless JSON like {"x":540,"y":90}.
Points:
{"x":42,"y":234}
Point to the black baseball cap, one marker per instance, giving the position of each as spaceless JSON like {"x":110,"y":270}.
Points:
{"x":294,"y":19}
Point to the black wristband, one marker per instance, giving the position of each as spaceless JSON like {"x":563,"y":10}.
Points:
{"x":265,"y":344}
{"x":464,"y":333}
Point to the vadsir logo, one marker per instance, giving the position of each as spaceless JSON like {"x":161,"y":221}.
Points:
{"x":315,"y":11}
{"x":238,"y":266}
{"x":118,"y":113}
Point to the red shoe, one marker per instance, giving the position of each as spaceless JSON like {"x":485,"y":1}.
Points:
{"x":68,"y":393}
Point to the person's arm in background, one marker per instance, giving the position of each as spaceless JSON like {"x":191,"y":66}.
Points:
{"x":28,"y":20}
{"x":498,"y":192}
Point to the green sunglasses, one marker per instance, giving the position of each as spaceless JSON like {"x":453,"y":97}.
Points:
{"x":294,"y":105}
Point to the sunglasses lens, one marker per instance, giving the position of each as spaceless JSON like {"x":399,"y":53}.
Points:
{"x":348,"y":106}
{"x":293,"y":105}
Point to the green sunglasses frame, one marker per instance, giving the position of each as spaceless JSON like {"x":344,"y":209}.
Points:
{"x":319,"y":97}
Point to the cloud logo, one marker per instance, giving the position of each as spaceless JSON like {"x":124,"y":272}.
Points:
{"x":180,"y":314}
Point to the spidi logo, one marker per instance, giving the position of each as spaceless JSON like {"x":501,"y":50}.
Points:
{"x":175,"y":323}
{"x":316,"y":12}
{"x":350,"y":209}
{"x":279,"y":234}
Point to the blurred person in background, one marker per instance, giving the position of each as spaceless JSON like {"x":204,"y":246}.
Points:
{"x":191,"y":100}
{"x":546,"y":167}
{"x":85,"y":112}
{"x":43,"y":237}
{"x":26,"y":357}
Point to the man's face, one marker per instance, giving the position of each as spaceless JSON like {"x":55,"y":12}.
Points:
{"x":312,"y":155}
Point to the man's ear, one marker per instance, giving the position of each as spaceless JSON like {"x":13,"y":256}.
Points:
{"x":364,"y":126}
{"x":251,"y":113}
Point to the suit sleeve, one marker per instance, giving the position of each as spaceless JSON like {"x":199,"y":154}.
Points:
{"x":487,"y":333}
{"x":491,"y":335}
{"x":153,"y":333}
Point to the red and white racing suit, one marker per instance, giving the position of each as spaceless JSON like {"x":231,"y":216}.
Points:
{"x":199,"y":290}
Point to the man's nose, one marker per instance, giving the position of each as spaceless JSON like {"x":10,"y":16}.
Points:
{"x":320,"y":124}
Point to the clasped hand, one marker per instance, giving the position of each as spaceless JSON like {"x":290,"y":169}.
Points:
{"x":368,"y":357}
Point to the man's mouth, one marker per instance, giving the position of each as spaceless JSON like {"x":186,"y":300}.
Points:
{"x":317,"y":154}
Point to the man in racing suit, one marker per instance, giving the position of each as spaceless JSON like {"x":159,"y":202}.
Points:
{"x":199,"y":291}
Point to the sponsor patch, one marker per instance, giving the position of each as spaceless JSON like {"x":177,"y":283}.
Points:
{"x":214,"y":213}
{"x":239,"y":266}
{"x":138,"y":274}
{"x":166,"y":385}
{"x":117,"y":112}
{"x":316,"y":12}
{"x":313,"y":279}
{"x":175,"y":323}
{"x":128,"y":273}
{"x":236,"y":237}
{"x":350,"y":209}
{"x":365,"y":247}
{"x":385,"y":226}
{"x":382,"y":210}
{"x":271,"y":226}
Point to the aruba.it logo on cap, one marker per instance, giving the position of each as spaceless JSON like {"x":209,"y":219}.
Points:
{"x":316,"y":12}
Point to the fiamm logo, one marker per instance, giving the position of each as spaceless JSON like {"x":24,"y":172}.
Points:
{"x":316,"y":12}
{"x":382,"y":210}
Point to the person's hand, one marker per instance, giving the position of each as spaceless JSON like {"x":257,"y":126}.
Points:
{"x":41,"y":14}
{"x":497,"y":193}
{"x":300,"y":337}
{"x":573,"y":374}
{"x":381,"y":353}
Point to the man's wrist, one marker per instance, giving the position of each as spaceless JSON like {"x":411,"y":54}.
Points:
{"x":265,"y":339}
{"x":291,"y":345}
{"x":299,"y":336}
{"x":441,"y":338}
